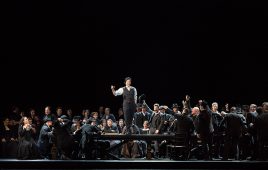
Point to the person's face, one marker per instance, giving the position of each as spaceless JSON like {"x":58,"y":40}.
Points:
{"x":104,"y":123}
{"x":47,"y":111}
{"x":145,"y":125}
{"x":109,"y":123}
{"x":69,"y":112}
{"x":59,"y":111}
{"x":95,"y":116}
{"x":156,"y":108}
{"x":25,"y":120}
{"x":30,"y":121}
{"x":175,"y":109}
{"x":32,"y":112}
{"x":253,"y":108}
{"x":265,"y":107}
{"x":120,"y":112}
{"x":6,"y":122}
{"x":121,"y":123}
{"x":215,"y":106}
{"x":49,"y":123}
{"x":101,"y":109}
{"x":128,"y":83}
{"x":143,"y":109}
{"x":107,"y":111}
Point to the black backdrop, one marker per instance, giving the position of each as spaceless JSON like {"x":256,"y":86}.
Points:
{"x":208,"y":49}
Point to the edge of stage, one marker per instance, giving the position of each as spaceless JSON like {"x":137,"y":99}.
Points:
{"x":129,"y":164}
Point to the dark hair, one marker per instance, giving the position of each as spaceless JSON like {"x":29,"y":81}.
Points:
{"x":127,"y":78}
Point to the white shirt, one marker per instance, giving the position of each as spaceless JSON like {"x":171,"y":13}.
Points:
{"x":120,"y":92}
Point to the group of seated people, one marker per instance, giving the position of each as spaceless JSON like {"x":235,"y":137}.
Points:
{"x":232,"y":133}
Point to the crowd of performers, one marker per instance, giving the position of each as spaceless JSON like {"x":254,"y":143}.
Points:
{"x":238,"y":133}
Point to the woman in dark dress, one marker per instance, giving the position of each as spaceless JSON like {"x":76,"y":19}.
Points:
{"x":27,"y":148}
{"x":8,"y":140}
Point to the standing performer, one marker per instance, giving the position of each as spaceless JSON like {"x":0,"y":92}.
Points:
{"x":129,"y":101}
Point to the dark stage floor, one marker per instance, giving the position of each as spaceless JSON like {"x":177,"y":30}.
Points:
{"x":129,"y":164}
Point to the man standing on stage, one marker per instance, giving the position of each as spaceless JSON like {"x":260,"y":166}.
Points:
{"x":129,"y":101}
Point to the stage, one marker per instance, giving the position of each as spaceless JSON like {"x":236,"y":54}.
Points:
{"x":129,"y":164}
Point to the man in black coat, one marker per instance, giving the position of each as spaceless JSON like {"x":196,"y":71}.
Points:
{"x":140,"y":117}
{"x":44,"y":141}
{"x":87,"y":143}
{"x":205,"y":129}
{"x":261,"y":126}
{"x":234,"y":125}
{"x":63,"y":136}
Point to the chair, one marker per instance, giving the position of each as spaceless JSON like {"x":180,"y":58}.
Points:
{"x":178,"y":149}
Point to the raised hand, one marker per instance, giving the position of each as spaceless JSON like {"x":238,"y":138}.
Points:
{"x":187,"y":97}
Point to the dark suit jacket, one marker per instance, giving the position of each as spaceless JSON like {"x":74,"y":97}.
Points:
{"x":261,"y":126}
{"x":44,"y":140}
{"x":234,"y":124}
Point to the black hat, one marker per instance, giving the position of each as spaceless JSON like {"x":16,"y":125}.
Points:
{"x":47,"y":118}
{"x":161,"y":107}
{"x":76,"y":118}
{"x":64,"y":117}
{"x":175,"y":105}
{"x":90,"y":120}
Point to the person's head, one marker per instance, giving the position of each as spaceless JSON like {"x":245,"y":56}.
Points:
{"x":214,"y":106}
{"x":109,"y":122}
{"x":265,"y":107}
{"x":69,"y":112}
{"x":175,"y":107}
{"x":185,"y":111}
{"x":104,"y":122}
{"x":128,"y":81}
{"x":145,"y":124}
{"x":59,"y":111}
{"x":32,"y":112}
{"x":245,"y":109}
{"x":120,"y":111}
{"x":162,"y":109}
{"x":93,"y":122}
{"x":138,"y":108}
{"x":233,"y":110}
{"x":259,"y":110}
{"x":30,"y":120}
{"x":24,"y":120}
{"x":47,"y":110}
{"x":48,"y":122}
{"x":252,"y":108}
{"x":6,"y":121}
{"x":156,"y":107}
{"x":85,"y":113}
{"x":121,"y":122}
{"x":101,"y":109}
{"x":95,"y":115}
{"x":203,"y":105}
{"x":195,"y":111}
{"x":107,"y":111}
{"x":143,"y":108}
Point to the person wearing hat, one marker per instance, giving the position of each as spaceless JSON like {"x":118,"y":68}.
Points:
{"x":44,"y":141}
{"x":64,"y":138}
{"x":129,"y":94}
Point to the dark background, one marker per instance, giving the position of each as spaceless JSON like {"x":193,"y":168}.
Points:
{"x":69,"y":53}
